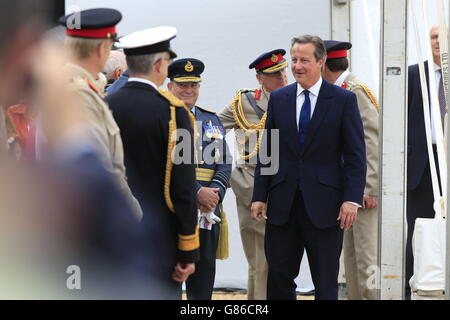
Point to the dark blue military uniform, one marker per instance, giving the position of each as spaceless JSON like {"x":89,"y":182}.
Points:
{"x":166,"y":190}
{"x":212,"y":171}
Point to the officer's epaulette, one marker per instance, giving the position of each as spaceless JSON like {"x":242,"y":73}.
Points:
{"x":83,"y":83}
{"x":256,"y":92}
{"x":206,"y":110}
{"x":369,"y":93}
{"x":78,"y":81}
{"x":174,"y":101}
{"x":246,"y":90}
{"x":350,"y":85}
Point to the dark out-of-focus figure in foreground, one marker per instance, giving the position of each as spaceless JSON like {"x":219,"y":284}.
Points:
{"x":66,"y":229}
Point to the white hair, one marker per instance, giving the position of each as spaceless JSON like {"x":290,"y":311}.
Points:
{"x":116,"y":60}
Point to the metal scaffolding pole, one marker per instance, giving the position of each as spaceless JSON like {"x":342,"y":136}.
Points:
{"x":393,"y":149}
{"x":447,"y":255}
{"x":341,"y":21}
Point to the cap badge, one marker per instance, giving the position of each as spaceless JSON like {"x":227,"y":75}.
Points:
{"x":274,"y":58}
{"x":189,"y":67}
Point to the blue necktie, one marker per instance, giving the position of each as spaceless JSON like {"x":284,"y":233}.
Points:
{"x":305,"y":117}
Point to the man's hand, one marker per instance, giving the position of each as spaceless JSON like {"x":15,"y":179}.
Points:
{"x":370,"y":202}
{"x":182,"y":271}
{"x":347,"y":215}
{"x":202,"y":208}
{"x":258,"y":211}
{"x":208,"y":198}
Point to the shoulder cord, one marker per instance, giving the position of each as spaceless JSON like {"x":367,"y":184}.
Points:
{"x":241,"y":121}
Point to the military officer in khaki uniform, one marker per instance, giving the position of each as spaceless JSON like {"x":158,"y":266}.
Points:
{"x":246,"y":115}
{"x":360,"y":241}
{"x":88,"y":46}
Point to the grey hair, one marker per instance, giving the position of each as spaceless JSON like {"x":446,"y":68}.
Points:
{"x":320,"y":51}
{"x":143,"y":64}
{"x":116,"y":60}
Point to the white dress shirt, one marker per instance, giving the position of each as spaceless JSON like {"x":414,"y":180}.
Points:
{"x":313,"y":95}
{"x":437,"y":75}
{"x":339,"y":81}
{"x":137,"y":79}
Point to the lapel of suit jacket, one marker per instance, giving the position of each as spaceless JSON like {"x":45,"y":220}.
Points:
{"x":322,"y":106}
{"x":291,"y":118}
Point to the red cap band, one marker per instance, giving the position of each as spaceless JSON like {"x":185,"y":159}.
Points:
{"x":337,"y":54}
{"x":102,"y":33}
{"x":268,"y":62}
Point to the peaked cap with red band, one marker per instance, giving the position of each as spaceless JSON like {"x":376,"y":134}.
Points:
{"x":270,"y":62}
{"x":97,"y":23}
{"x":337,"y":49}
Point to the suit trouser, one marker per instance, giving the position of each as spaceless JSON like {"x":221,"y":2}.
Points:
{"x":360,"y":255}
{"x":284,"y":250}
{"x":200,"y":285}
{"x":161,"y":246}
{"x":419,"y":205}
{"x":252,"y":236}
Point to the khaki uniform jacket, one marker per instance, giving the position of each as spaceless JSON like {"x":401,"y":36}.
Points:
{"x":104,"y":131}
{"x":242,"y":181}
{"x":369,"y":116}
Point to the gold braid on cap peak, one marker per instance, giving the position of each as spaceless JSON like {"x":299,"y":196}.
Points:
{"x":240,"y":119}
{"x":174,"y":103}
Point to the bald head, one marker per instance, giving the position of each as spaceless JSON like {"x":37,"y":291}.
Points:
{"x":435,"y":48}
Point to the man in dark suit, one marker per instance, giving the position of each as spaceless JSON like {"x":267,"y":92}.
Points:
{"x":319,"y":182}
{"x":164,"y":187}
{"x":420,"y":197}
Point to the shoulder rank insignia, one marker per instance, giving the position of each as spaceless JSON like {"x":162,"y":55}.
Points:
{"x":257,"y":94}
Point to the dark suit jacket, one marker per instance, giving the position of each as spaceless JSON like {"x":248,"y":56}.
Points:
{"x":417,"y":143}
{"x":108,"y":245}
{"x":329,"y":168}
{"x":119,"y":83}
{"x":142,"y":115}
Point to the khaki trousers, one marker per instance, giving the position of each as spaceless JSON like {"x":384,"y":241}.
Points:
{"x":252,"y":235}
{"x":360,"y":255}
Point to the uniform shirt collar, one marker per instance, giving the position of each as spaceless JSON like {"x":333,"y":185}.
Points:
{"x":339,"y":81}
{"x":75,"y":70}
{"x":314,"y":89}
{"x":142,"y":80}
